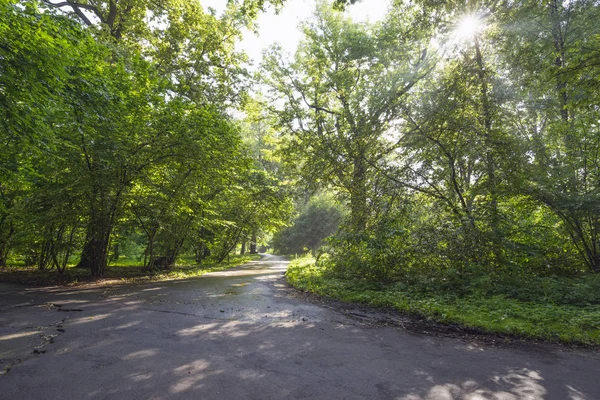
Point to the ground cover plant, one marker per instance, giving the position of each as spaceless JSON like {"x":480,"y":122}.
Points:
{"x":553,"y":309}
{"x":464,"y":143}
{"x":119,"y":273}
{"x":444,"y":160}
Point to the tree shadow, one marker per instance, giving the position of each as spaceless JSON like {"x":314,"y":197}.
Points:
{"x":191,"y":339}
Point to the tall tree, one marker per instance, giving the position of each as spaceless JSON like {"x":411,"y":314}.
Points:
{"x":341,"y":95}
{"x":34,"y":75}
{"x":552,"y":50}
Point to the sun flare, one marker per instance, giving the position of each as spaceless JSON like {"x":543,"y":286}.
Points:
{"x":468,"y":27}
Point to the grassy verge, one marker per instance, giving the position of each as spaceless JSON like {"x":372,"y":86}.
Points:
{"x":115,"y":274}
{"x":499,"y":313}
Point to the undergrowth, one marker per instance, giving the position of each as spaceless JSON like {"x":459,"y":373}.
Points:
{"x":115,"y":274}
{"x":553,"y":309}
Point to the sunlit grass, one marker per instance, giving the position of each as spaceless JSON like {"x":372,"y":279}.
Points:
{"x":536,"y":319}
{"x":127,"y":271}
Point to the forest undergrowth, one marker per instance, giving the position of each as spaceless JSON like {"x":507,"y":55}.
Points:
{"x":556,"y":309}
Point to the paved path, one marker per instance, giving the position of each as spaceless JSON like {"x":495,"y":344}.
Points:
{"x":238,"y":334}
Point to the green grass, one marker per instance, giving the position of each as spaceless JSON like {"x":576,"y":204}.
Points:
{"x":127,"y":272}
{"x":538,"y":318}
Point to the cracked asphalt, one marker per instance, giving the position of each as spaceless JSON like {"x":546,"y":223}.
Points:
{"x":242,"y":334}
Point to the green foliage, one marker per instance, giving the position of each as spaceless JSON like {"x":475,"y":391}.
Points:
{"x":35,"y":75}
{"x":111,"y":145}
{"x":512,"y":308}
{"x":123,"y":271}
{"x":487,"y":166}
{"x":257,"y":205}
{"x":317,"y":220}
{"x":340,"y":97}
{"x":554,"y":70}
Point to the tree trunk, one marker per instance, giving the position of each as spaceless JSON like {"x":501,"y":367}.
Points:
{"x":3,"y":254}
{"x":490,"y":159}
{"x":201,"y":247}
{"x":173,"y":252}
{"x":596,"y":263}
{"x":202,"y":252}
{"x":243,"y":250}
{"x":95,"y":250}
{"x":4,"y":245}
{"x":560,"y":27}
{"x":358,"y":196}
{"x":253,"y":244}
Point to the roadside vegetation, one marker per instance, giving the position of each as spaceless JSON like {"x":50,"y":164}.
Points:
{"x":443,"y":161}
{"x":465,"y":146}
{"x":554,"y":309}
{"x":115,"y":143}
{"x":119,"y":273}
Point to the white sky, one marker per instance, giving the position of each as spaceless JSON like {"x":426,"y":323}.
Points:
{"x":283,"y":27}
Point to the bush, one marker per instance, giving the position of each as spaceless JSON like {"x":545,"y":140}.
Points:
{"x":318,"y":220}
{"x":558,"y":309}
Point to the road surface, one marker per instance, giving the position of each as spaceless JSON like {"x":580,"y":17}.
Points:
{"x":240,"y":334}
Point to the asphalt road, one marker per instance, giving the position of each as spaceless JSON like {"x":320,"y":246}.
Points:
{"x":240,"y":334}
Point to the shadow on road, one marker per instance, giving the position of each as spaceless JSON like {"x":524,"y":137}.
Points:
{"x":238,"y":334}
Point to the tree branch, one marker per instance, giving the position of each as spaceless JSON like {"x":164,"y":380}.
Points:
{"x":77,"y":7}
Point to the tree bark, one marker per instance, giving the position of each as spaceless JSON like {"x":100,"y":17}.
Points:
{"x":200,"y":250}
{"x":253,"y":244}
{"x":490,"y":159}
{"x":358,"y":196}
{"x":4,"y":245}
{"x":95,"y":251}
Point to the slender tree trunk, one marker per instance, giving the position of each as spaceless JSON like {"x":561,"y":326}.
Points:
{"x":243,"y":250}
{"x":559,"y":30}
{"x":558,"y":36}
{"x":201,"y":247}
{"x":490,"y":159}
{"x":174,"y":251}
{"x":175,"y":245}
{"x":3,"y":253}
{"x":253,"y":244}
{"x":228,"y":246}
{"x":358,"y":196}
{"x":2,"y":256}
{"x":4,"y":246}
{"x":200,"y":250}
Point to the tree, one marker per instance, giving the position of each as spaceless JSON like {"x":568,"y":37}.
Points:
{"x":34,"y":75}
{"x":109,"y":132}
{"x":342,"y":94}
{"x":554,"y":66}
{"x":457,"y":146}
{"x":171,"y":200}
{"x":317,"y":220}
{"x":258,"y":204}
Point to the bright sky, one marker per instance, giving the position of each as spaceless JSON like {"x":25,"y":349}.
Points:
{"x":283,"y":27}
